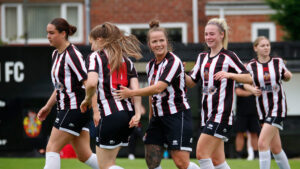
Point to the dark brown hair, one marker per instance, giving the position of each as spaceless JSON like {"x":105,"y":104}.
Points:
{"x":154,"y":26}
{"x":116,"y":43}
{"x":62,"y":25}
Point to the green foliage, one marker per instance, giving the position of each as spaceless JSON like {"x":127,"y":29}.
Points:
{"x":288,"y":16}
{"x":2,"y":43}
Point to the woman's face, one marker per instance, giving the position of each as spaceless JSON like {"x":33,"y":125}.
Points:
{"x":263,"y":48}
{"x":212,"y":35}
{"x":55,"y":38}
{"x":95,"y":43}
{"x":158,"y":43}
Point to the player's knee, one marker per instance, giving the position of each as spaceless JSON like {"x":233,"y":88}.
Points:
{"x":276,"y":149}
{"x":200,"y":155}
{"x":81,"y":158}
{"x":51,"y":148}
{"x":217,"y":161}
{"x":181,"y":164}
{"x":263,"y":146}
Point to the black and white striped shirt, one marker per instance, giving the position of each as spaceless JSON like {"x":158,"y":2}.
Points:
{"x":173,"y":98}
{"x":67,"y":73}
{"x":268,"y":76}
{"x":108,"y":82}
{"x":217,"y":96}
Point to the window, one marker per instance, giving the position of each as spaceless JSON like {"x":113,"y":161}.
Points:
{"x":267,"y":29}
{"x":16,"y":24}
{"x":177,"y":32}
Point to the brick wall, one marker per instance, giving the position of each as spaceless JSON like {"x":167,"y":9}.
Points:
{"x":240,"y":27}
{"x":142,"y":11}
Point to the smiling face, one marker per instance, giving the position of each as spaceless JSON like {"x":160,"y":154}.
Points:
{"x":55,"y":38}
{"x":263,"y":48}
{"x":158,"y":43}
{"x":213,"y":36}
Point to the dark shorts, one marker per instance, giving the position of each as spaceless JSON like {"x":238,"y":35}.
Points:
{"x":172,"y":131}
{"x":275,"y":121}
{"x":72,"y":121}
{"x":219,"y":130}
{"x":247,"y":123}
{"x":113,"y":130}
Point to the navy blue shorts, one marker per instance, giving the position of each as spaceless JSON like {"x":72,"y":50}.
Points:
{"x":247,"y":123}
{"x":172,"y":131}
{"x":113,"y":130}
{"x":275,"y":121}
{"x":72,"y":121}
{"x":219,"y":130}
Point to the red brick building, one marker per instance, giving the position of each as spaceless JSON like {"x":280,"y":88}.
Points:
{"x":24,"y":21}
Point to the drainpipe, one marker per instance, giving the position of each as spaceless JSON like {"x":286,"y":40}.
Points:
{"x":87,"y":21}
{"x":195,"y":21}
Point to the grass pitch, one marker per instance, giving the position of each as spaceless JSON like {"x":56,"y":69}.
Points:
{"x":38,"y":163}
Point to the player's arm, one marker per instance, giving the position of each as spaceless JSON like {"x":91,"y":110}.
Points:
{"x":90,"y":90}
{"x":188,"y":81}
{"x":242,"y":93}
{"x":43,"y":113}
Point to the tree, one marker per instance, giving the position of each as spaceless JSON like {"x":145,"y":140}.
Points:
{"x":288,"y":16}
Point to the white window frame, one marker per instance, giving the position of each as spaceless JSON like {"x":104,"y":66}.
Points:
{"x":20,"y":30}
{"x":80,"y":19}
{"x":19,"y":21}
{"x":255,"y":26}
{"x":183,"y":26}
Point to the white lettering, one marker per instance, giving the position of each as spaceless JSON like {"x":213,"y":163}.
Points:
{"x":14,"y":69}
{"x":19,"y":77}
{"x":8,"y":70}
{"x":2,"y":103}
{"x":3,"y":142}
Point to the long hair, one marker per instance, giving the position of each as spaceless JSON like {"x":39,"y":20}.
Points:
{"x":223,"y":28}
{"x":62,"y":25}
{"x":154,"y":26}
{"x":117,"y":44}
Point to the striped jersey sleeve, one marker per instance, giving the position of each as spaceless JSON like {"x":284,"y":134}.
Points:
{"x":283,"y":67}
{"x":195,"y":72}
{"x":236,"y":63}
{"x":92,"y":63}
{"x":131,"y":69}
{"x":171,"y":69}
{"x":75,"y":61}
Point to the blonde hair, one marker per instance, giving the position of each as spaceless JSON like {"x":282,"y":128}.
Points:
{"x":258,"y":39}
{"x":154,"y":26}
{"x":223,"y":28}
{"x":116,"y":43}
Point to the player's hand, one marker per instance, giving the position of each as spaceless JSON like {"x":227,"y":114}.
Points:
{"x":135,"y":120}
{"x":43,"y":113}
{"x":287,"y":76}
{"x":221,"y":75}
{"x":96,"y":117}
{"x":85,"y":104}
{"x":256,"y":91}
{"x":123,"y":93}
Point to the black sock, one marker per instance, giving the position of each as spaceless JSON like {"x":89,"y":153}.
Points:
{"x":256,"y":154}
{"x":239,"y":154}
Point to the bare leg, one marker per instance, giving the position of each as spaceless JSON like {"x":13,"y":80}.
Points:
{"x":106,"y":157}
{"x":180,"y":158}
{"x":154,"y":154}
{"x":81,"y":145}
{"x":218,"y":156}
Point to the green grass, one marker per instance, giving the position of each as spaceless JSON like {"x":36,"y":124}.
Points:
{"x":38,"y":163}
